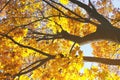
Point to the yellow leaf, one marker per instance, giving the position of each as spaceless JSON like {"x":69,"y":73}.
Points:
{"x":64,"y":1}
{"x":24,"y":77}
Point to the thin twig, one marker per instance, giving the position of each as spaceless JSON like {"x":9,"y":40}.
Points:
{"x":25,"y":46}
{"x":72,"y":47}
{"x":4,"y":6}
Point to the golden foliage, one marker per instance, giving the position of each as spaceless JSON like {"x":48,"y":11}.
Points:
{"x":22,"y":19}
{"x":64,"y":1}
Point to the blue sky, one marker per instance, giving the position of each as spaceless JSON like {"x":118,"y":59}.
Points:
{"x":87,"y":50}
{"x":116,"y":3}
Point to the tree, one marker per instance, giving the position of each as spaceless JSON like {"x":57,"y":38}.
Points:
{"x":41,"y":39}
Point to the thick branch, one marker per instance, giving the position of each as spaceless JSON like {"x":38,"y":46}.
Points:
{"x":93,"y":13}
{"x":102,"y":33}
{"x":102,"y":60}
{"x":90,"y":10}
{"x":105,"y":30}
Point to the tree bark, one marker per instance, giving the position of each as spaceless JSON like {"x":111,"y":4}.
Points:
{"x":102,"y":60}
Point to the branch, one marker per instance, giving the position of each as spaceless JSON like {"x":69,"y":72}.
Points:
{"x":105,"y":30}
{"x":24,"y":71}
{"x":4,"y":6}
{"x":44,"y":36}
{"x":67,"y":9}
{"x":93,"y":13}
{"x":102,"y":33}
{"x":85,"y":58}
{"x":51,"y":38}
{"x":42,"y":18}
{"x":78,"y":19}
{"x":39,"y":33}
{"x":72,"y":47}
{"x":29,"y":66}
{"x":102,"y":60}
{"x":25,"y":46}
